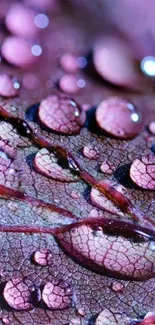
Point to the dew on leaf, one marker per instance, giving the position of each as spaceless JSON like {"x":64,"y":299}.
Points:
{"x":47,"y":164}
{"x":114,"y":248}
{"x":7,"y":86}
{"x":114,"y":115}
{"x":57,"y":295}
{"x":142,"y":172}
{"x":18,"y":294}
{"x":61,"y":114}
{"x":117,"y":286}
{"x":43,"y":257}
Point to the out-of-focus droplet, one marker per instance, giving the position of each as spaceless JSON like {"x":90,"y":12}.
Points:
{"x":36,"y":50}
{"x":17,"y":51}
{"x":41,"y":21}
{"x":68,"y":62}
{"x":30,"y":81}
{"x":119,"y":118}
{"x":148,"y":66}
{"x":68,"y":84}
{"x":152,"y":127}
{"x":43,"y":257}
{"x":20,"y":20}
{"x":57,"y":295}
{"x":7,"y":86}
{"x":114,"y":62}
{"x":81,"y":62}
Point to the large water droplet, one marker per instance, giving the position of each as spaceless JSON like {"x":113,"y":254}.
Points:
{"x":57,"y":295}
{"x":119,"y":118}
{"x":111,"y":247}
{"x":18,"y":294}
{"x":58,"y":113}
{"x":142,"y":172}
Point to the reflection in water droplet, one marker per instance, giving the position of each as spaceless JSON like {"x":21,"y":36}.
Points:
{"x":148,"y":66}
{"x":41,"y":21}
{"x":135,"y":117}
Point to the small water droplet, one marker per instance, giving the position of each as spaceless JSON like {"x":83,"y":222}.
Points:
{"x":18,"y":294}
{"x":43,"y":257}
{"x":117,"y":286}
{"x":152,"y":127}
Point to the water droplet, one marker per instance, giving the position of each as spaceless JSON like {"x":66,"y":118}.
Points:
{"x":36,"y":50}
{"x":20,"y":20}
{"x":107,"y":167}
{"x":117,"y":286}
{"x":148,"y":66}
{"x":7,"y":86}
{"x":10,"y":51}
{"x":59,"y":113}
{"x":43,"y":257}
{"x":6,"y":320}
{"x":152,"y":127}
{"x":112,"y":317}
{"x":142,"y":172}
{"x":114,"y":62}
{"x":111,"y":249}
{"x":57,"y":295}
{"x":90,"y":151}
{"x":41,"y":21}
{"x":18,"y":294}
{"x":118,"y":117}
{"x":68,"y":84}
{"x":49,"y":165}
